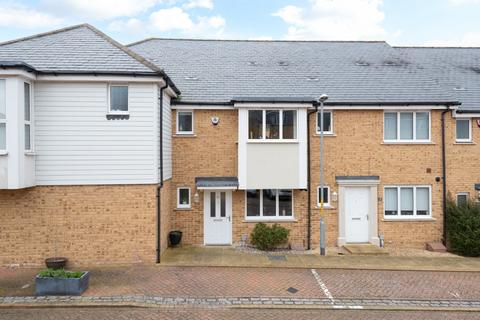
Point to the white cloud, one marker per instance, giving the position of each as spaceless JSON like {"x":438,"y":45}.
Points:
{"x":102,"y":9}
{"x":334,"y":19}
{"x":131,"y":26}
{"x":470,"y":39}
{"x":463,"y":2}
{"x":26,"y":18}
{"x":207,"y":4}
{"x":171,"y":19}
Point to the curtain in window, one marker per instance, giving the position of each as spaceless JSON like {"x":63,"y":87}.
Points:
{"x":406,"y":201}
{"x":185,"y":122}
{"x":463,"y":129}
{"x":391,"y":201}
{"x":289,"y":124}
{"x":423,"y":201}
{"x":422,"y":125}
{"x":390,"y":126}
{"x":119,"y":98}
{"x":255,"y":120}
{"x":272,"y":124}
{"x":327,"y":121}
{"x":406,"y":126}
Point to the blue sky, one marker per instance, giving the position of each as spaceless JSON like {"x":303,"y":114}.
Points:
{"x":400,"y":22}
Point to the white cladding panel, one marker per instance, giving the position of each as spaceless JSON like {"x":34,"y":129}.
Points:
{"x":167,"y":138}
{"x":76,"y":144}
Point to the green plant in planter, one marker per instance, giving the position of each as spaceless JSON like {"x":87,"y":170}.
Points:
{"x":267,"y":238}
{"x":60,"y":273}
{"x":463,"y":228}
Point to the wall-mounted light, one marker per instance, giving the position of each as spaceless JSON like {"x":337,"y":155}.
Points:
{"x":334,"y":196}
{"x":215,"y":120}
{"x":196,"y":197}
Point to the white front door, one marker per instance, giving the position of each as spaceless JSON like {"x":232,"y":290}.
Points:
{"x":218,"y":217}
{"x":357,"y":207}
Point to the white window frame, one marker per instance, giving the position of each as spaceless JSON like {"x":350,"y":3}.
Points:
{"x":399,"y":201}
{"x":5,"y":120}
{"x":28,"y":122}
{"x":264,"y":126}
{"x":414,"y":139}
{"x":317,"y":128}
{"x":193,"y":122}
{"x":467,"y":194}
{"x":181,"y":205}
{"x":469,"y":130}
{"x":325,"y":204}
{"x":277,"y":217}
{"x":110,"y":111}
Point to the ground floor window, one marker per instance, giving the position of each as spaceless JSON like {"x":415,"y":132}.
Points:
{"x":462,"y":198}
{"x":183,"y":198}
{"x":407,"y":202}
{"x":269,"y":203}
{"x":326,"y":196}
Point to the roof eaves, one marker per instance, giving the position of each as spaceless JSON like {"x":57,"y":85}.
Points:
{"x":17,"y":64}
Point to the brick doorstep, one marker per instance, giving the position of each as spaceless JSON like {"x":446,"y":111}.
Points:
{"x":241,"y":302}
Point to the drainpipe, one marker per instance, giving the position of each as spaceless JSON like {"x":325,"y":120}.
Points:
{"x":160,"y":168}
{"x":444,"y":178}
{"x":309,"y":196}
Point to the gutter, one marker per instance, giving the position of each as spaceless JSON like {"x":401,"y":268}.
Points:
{"x":160,"y":168}
{"x":444,"y":178}
{"x":309,"y":189}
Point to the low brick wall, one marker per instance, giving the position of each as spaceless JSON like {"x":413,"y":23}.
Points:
{"x":108,"y":224}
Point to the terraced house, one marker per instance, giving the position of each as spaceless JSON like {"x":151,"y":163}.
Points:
{"x":105,"y":148}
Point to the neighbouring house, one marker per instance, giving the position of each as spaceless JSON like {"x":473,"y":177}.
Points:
{"x":105,"y":148}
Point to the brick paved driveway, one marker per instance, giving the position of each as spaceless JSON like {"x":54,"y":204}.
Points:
{"x":252,"y":314}
{"x":257,"y":282}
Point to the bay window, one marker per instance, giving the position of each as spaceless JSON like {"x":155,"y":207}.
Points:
{"x":269,"y":204}
{"x":407,"y":202}
{"x":272,"y":124}
{"x":406,"y":126}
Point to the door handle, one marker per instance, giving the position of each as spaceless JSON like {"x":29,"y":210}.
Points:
{"x":356,"y":218}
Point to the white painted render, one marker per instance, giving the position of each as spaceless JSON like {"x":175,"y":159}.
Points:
{"x":76,"y":144}
{"x":16,"y":166}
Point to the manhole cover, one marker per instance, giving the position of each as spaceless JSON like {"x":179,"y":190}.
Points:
{"x":277,"y":258}
{"x":292,"y":290}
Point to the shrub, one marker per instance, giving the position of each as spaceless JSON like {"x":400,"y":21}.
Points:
{"x":59,"y":273}
{"x":266,"y":238}
{"x":463,"y":228}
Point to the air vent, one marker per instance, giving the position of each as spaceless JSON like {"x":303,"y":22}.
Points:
{"x":283,"y":63}
{"x":458,"y":88}
{"x":191,"y":78}
{"x":313,"y":79}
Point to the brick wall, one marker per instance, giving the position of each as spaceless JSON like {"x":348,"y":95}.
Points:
{"x":356,"y":148}
{"x":87,"y":224}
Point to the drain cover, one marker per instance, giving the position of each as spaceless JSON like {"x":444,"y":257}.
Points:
{"x":277,"y":258}
{"x":292,"y":290}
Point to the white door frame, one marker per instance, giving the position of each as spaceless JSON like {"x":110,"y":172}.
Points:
{"x":344,"y":184}
{"x":228,"y":215}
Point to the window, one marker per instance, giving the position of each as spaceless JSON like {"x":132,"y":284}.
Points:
{"x":272,"y":124}
{"x":185,"y":122}
{"x":326,"y":196}
{"x":327,"y":122}
{"x":269,"y":203}
{"x":462,"y":198}
{"x":464,"y":130}
{"x":183,"y":198}
{"x":406,"y":126}
{"x":3,"y":116}
{"x":27,"y":115}
{"x":118,"y":98}
{"x":407,"y":202}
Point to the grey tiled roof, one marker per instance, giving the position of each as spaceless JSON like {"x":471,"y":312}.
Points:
{"x":359,"y":72}
{"x":457,"y":71}
{"x":75,"y":49}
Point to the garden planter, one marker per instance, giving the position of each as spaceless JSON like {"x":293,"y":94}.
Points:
{"x":61,"y":286}
{"x":56,"y":262}
{"x":175,"y":237}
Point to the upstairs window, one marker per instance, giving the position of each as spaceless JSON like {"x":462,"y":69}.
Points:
{"x":3,"y":116}
{"x":407,"y":202}
{"x":27,"y":116}
{"x":118,"y":98}
{"x":464,"y":130}
{"x":184,"y":122}
{"x":406,"y":127}
{"x":327,"y":122}
{"x":272,"y":124}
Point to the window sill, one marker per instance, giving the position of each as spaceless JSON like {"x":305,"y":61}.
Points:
{"x":325,"y":134}
{"x":325,"y":207}
{"x":276,"y":220}
{"x":3,"y":153}
{"x":465,"y":142}
{"x":118,"y":116}
{"x":408,"y":143}
{"x":409,"y":219}
{"x":30,"y":153}
{"x":272,"y":141}
{"x":185,"y":135}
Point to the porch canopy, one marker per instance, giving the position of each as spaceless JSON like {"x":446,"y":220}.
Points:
{"x":203,"y":183}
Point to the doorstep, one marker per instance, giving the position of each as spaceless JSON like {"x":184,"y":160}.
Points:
{"x":365,"y":249}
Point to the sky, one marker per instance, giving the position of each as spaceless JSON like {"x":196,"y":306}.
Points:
{"x":399,"y":22}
